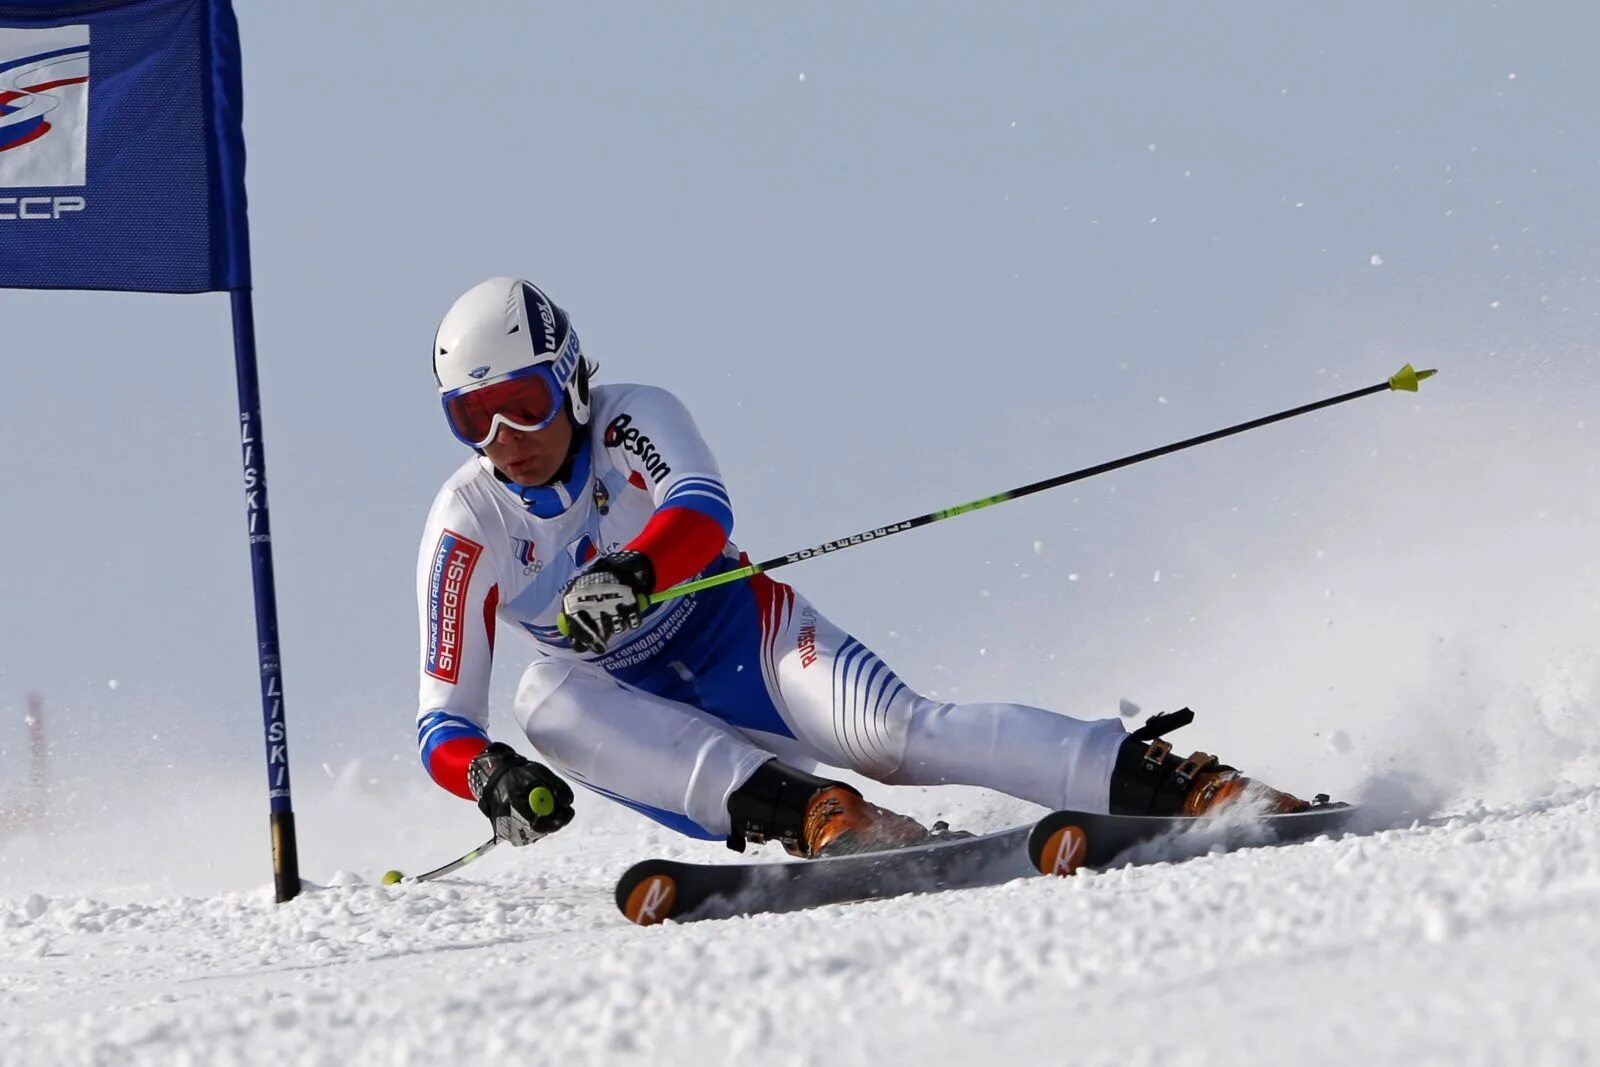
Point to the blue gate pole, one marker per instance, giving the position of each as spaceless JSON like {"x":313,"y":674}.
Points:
{"x":285,"y":854}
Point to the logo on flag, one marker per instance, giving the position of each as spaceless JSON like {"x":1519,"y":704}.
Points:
{"x":44,"y":106}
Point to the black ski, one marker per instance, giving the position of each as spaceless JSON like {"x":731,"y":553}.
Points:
{"x":1062,"y":842}
{"x":1066,"y":841}
{"x":655,"y":890}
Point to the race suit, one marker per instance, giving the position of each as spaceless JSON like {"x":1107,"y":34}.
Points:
{"x":677,"y":714}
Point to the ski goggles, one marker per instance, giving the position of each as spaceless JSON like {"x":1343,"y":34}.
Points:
{"x":527,"y":400}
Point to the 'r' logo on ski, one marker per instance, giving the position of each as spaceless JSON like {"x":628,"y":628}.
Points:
{"x":651,"y":900}
{"x":1064,"y":852}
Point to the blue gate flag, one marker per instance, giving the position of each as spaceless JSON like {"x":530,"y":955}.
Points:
{"x":121,"y":146}
{"x":122,"y":167}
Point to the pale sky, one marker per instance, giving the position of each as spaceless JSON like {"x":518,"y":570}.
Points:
{"x":894,"y":257}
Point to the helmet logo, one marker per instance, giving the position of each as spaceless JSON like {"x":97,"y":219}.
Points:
{"x":548,"y":319}
{"x":568,"y":362}
{"x":477,"y":372}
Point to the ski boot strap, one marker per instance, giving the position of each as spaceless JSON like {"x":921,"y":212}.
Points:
{"x":1163,"y":723}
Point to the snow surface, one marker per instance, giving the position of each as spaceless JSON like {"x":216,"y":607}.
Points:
{"x":1461,"y":939}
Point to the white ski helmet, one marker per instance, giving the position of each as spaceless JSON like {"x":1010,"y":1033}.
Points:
{"x":505,"y":353}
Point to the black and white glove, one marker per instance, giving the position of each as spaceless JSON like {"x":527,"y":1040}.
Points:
{"x":523,"y":799}
{"x":607,"y":599}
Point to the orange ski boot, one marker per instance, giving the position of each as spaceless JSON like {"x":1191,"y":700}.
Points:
{"x":1149,"y":780}
{"x":812,"y":816}
{"x":1214,"y":786}
{"x":839,"y":822}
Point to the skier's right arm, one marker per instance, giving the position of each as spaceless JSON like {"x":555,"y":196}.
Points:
{"x":456,"y":599}
{"x":457,"y":595}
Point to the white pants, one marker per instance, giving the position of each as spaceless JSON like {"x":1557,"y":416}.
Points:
{"x":772,"y":678}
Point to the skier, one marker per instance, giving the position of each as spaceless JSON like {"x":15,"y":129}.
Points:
{"x":709,"y":712}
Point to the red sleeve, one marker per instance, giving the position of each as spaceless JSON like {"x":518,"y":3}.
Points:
{"x":448,"y":762}
{"x":680,"y":542}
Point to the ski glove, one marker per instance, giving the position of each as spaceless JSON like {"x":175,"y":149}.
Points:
{"x":523,"y":799}
{"x":607,"y":599}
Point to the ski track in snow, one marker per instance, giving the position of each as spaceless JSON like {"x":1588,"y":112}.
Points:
{"x":1466,"y":940}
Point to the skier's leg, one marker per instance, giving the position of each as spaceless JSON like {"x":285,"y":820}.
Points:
{"x":688,"y":769}
{"x":670,"y":761}
{"x":839,"y":696}
{"x":849,"y":708}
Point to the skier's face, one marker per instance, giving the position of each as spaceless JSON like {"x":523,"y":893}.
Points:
{"x":531,"y":457}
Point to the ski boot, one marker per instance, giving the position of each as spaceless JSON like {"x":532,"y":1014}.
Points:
{"x":813,"y":816}
{"x":839,"y":821}
{"x":1149,"y":780}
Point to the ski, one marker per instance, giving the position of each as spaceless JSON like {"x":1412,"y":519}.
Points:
{"x":1065,"y":842}
{"x":1060,"y":843}
{"x":653,"y":891}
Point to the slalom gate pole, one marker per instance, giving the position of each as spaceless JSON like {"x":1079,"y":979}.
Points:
{"x":275,"y":732}
{"x":1405,"y":379}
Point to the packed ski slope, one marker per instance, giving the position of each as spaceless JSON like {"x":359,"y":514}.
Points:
{"x":136,"y":922}
{"x":1461,"y":927}
{"x":1459,"y":938}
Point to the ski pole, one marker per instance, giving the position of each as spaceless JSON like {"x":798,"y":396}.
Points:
{"x":1406,"y":379}
{"x":540,"y":799}
{"x":395,"y":877}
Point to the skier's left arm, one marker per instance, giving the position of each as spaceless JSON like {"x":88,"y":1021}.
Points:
{"x":655,"y":438}
{"x":694,"y":517}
